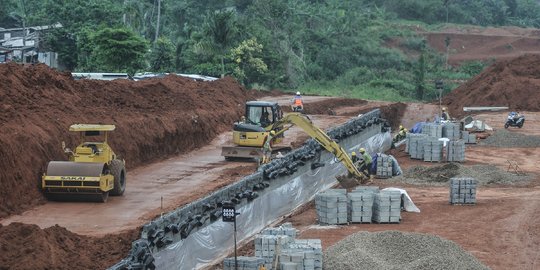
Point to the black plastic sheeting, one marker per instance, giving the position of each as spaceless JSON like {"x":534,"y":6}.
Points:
{"x":180,"y":223}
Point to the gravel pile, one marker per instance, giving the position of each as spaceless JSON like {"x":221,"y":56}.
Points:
{"x":505,"y":138}
{"x":440,"y":175}
{"x":397,"y":250}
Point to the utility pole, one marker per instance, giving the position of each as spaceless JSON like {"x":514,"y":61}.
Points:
{"x":447,"y":43}
{"x":158,"y":18}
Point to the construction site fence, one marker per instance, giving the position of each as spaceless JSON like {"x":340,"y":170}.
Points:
{"x":194,"y":236}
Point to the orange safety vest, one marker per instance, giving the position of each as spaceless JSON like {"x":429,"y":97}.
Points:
{"x":298,"y":101}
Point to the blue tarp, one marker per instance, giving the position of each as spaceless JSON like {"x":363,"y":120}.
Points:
{"x":417,"y":128}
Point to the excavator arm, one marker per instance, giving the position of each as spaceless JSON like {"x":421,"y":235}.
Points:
{"x":303,"y":122}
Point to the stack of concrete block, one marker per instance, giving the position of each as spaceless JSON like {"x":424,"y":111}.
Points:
{"x":468,"y":137}
{"x":266,"y":247}
{"x":415,"y":145}
{"x":244,"y":263}
{"x":331,"y":207}
{"x":433,"y":149}
{"x":384,"y":166}
{"x":372,"y":189}
{"x":455,"y":151}
{"x":305,"y":253}
{"x":387,"y":207}
{"x":463,"y":190}
{"x":451,"y":131}
{"x":361,"y":205}
{"x":285,"y":229}
{"x":433,"y":130}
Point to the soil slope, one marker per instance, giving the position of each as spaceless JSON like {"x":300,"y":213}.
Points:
{"x":154,"y":119}
{"x":514,"y":83}
{"x":468,"y":43}
{"x":26,"y":246}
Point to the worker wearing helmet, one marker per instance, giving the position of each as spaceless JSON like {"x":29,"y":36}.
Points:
{"x":365,"y":163}
{"x":354,"y":158}
{"x":267,"y":147}
{"x":444,"y":115}
{"x":297,"y":103}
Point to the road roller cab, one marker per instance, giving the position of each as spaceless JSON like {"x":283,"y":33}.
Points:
{"x":93,"y":171}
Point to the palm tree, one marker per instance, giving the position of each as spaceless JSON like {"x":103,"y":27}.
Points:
{"x":219,"y":30}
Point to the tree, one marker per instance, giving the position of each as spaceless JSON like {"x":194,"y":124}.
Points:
{"x":248,"y":63}
{"x":220,"y":30}
{"x":162,"y":56}
{"x":419,"y":76}
{"x":118,"y":50}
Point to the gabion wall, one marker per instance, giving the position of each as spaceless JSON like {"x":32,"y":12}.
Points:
{"x":180,"y":223}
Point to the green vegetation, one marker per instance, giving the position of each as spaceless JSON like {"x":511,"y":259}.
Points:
{"x":328,"y":47}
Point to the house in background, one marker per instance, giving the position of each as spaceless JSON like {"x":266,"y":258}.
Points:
{"x":26,"y":45}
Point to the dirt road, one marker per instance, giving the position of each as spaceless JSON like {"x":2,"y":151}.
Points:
{"x":159,"y":187}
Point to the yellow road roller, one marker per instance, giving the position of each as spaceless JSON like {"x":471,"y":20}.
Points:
{"x":93,"y":171}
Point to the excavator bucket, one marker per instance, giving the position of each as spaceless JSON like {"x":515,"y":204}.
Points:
{"x":76,"y":181}
{"x":348,"y":181}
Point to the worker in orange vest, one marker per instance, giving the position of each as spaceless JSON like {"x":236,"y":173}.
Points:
{"x":297,"y":103}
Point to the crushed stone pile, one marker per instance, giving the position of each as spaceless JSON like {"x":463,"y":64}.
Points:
{"x":514,"y":83}
{"x":397,"y":250}
{"x":440,"y":175}
{"x":507,"y":138}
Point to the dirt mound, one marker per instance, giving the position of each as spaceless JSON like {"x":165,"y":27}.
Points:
{"x":514,"y":83}
{"x":328,"y":107}
{"x":154,"y":118}
{"x":397,"y":250}
{"x":26,"y":246}
{"x":440,"y":175}
{"x":394,"y":113}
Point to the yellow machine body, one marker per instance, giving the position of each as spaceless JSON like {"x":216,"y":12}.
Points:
{"x":88,"y":171}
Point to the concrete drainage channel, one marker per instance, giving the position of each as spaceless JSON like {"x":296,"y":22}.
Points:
{"x":193,"y":236}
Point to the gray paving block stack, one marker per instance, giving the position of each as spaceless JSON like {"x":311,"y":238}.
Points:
{"x":305,"y":253}
{"x":455,"y":151}
{"x":285,"y":229}
{"x":433,"y":130}
{"x":468,"y":137}
{"x":384,"y":166}
{"x":433,"y":149}
{"x":360,"y":204}
{"x":373,"y":189}
{"x":266,"y":247}
{"x":451,"y":131}
{"x":244,"y":263}
{"x":387,"y":207}
{"x":331,"y":207}
{"x":416,"y":145}
{"x":463,"y":190}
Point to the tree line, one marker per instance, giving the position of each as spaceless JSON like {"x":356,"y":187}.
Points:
{"x":264,"y":43}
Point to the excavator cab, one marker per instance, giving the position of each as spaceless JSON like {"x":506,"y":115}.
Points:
{"x":250,"y":134}
{"x":260,"y":117}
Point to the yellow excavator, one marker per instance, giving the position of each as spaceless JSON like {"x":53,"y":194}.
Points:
{"x":261,"y":117}
{"x":93,"y":171}
{"x":249,"y":134}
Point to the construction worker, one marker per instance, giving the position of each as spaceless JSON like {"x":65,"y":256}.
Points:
{"x":402,"y":133}
{"x":365,"y":163}
{"x":445,"y":116}
{"x":297,"y":103}
{"x":267,"y":147}
{"x":354,"y":158}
